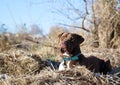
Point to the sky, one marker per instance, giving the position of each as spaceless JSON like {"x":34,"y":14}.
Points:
{"x":29,"y":12}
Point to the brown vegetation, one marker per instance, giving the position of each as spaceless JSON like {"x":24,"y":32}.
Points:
{"x":107,"y":21}
{"x":26,"y":63}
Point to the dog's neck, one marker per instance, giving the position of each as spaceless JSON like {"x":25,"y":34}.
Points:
{"x":81,"y":57}
{"x":76,"y":51}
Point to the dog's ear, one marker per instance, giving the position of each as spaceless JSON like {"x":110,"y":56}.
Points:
{"x":80,"y":39}
{"x":59,"y":36}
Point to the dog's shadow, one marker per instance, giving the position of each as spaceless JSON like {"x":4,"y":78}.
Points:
{"x":54,"y":65}
{"x":116,"y":71}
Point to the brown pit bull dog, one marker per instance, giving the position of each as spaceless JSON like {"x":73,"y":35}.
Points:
{"x":71,"y":54}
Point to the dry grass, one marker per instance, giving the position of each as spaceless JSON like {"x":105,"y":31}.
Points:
{"x":26,"y":64}
{"x":75,"y":76}
{"x":20,"y":67}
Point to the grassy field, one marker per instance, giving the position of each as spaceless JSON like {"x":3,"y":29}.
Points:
{"x":26,"y":63}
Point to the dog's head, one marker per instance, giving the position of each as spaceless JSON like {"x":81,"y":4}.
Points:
{"x":69,"y":42}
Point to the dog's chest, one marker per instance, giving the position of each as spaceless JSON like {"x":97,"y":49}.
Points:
{"x":62,"y":66}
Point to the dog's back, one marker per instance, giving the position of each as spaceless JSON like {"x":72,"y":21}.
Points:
{"x":95,"y":64}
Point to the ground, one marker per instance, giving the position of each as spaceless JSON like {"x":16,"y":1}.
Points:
{"x":20,"y":66}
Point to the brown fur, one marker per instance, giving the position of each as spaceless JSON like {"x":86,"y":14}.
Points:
{"x":70,"y":43}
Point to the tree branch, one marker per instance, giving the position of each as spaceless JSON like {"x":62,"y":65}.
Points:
{"x":83,"y":22}
{"x":75,"y":27}
{"x":94,"y":17}
{"x":86,"y":7}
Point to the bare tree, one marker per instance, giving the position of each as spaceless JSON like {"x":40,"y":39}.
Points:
{"x":107,"y":22}
{"x":104,"y":17}
{"x":79,"y":15}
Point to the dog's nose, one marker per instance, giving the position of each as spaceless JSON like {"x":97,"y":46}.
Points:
{"x":64,"y":43}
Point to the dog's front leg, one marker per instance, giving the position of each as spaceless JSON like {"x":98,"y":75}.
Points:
{"x":62,"y":66}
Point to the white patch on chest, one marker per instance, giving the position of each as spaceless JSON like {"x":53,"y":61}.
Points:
{"x":65,"y":54}
{"x":64,"y":67}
